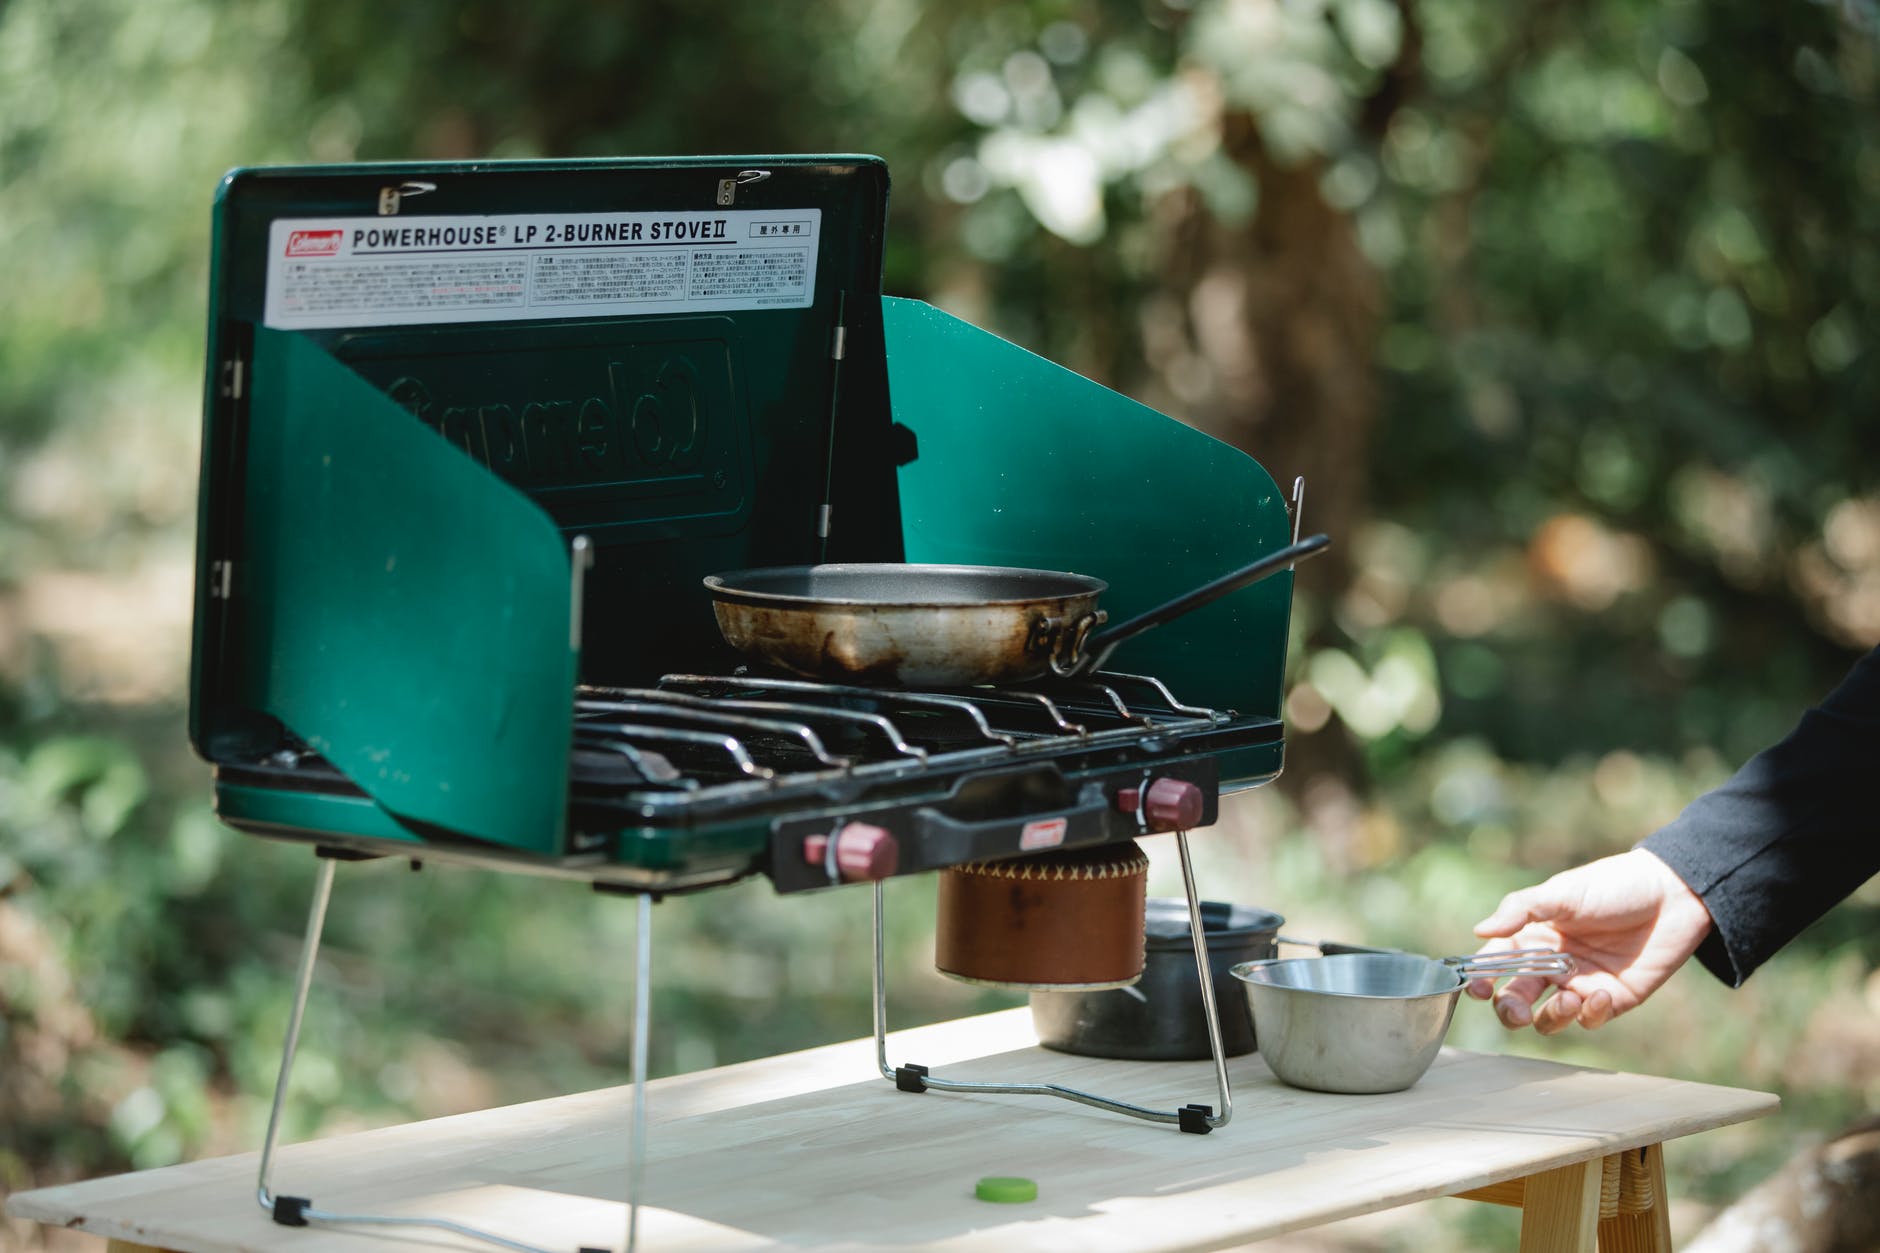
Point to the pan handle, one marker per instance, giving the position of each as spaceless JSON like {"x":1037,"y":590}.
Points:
{"x":1098,"y":648}
{"x":1333,"y":948}
{"x":1062,"y":637}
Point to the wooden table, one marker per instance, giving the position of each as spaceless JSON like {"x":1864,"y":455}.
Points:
{"x":811,"y":1150}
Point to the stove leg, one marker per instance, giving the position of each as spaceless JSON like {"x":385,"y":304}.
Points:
{"x":1199,"y":1119}
{"x":303,"y":979}
{"x":642,"y":1002}
{"x":299,"y":1211}
{"x":1204,"y":970}
{"x":881,"y":989}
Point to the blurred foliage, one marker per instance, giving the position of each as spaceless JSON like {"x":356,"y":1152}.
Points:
{"x":1570,"y":309}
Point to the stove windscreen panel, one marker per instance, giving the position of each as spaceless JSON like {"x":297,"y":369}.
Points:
{"x":1026,"y":463}
{"x":385,"y":570}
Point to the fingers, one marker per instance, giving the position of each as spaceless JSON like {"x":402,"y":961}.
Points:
{"x":1514,"y":1003}
{"x":1558,"y":1012}
{"x":1591,"y":1010}
{"x":1514,"y":912}
{"x":1562,"y":898}
{"x":1598,"y":1010}
{"x":1543,"y":902}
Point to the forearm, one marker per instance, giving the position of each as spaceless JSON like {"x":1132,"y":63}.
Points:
{"x":1789,"y":835}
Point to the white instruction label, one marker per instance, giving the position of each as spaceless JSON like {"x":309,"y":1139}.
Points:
{"x":343,"y":272}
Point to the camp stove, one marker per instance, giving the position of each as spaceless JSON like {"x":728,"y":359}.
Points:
{"x":476,"y":433}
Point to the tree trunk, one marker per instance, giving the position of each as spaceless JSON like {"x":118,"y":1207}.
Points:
{"x":1826,"y":1200}
{"x":1267,"y":339}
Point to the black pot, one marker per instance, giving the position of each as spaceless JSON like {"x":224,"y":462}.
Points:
{"x":1160,"y":1018}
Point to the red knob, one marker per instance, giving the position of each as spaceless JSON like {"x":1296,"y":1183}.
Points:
{"x":1171,"y":804}
{"x":863,"y":852}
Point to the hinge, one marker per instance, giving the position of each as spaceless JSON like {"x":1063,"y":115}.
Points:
{"x":232,"y":372}
{"x":840,"y":347}
{"x":580,"y":561}
{"x":390,"y":198}
{"x":221,"y":580}
{"x":728,"y":187}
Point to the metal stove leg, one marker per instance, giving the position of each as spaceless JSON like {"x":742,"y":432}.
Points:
{"x":303,"y":979}
{"x":1204,"y":970}
{"x":642,"y":1001}
{"x":1194,"y":1118}
{"x":881,"y":989}
{"x":299,"y":1211}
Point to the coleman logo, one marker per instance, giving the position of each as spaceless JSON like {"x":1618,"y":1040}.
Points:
{"x":647,"y":420}
{"x":1044,"y":833}
{"x":314,"y":243}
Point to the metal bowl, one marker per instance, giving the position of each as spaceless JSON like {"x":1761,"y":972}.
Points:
{"x":1356,"y":1022}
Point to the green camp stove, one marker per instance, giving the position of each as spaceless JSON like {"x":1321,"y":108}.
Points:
{"x":474,"y":436}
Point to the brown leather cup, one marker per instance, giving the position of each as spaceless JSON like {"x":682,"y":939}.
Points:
{"x":1071,"y":919}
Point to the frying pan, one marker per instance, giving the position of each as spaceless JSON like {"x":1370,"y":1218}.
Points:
{"x":941,"y":626}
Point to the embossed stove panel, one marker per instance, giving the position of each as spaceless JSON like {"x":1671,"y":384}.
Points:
{"x":609,"y":428}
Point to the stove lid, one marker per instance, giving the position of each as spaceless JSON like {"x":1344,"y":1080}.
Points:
{"x":425,"y":380}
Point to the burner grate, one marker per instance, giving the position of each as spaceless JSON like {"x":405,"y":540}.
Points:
{"x":702,"y":779}
{"x":728,"y":735}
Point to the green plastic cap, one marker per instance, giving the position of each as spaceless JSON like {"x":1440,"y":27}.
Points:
{"x":1006,"y":1189}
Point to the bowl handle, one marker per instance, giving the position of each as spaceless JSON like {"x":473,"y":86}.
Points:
{"x":1519,"y":961}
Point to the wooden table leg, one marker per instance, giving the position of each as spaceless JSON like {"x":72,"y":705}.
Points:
{"x":1646,"y":1229}
{"x":1560,"y":1209}
{"x":1630,"y":1210}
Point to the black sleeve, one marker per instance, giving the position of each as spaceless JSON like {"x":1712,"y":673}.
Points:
{"x":1791,"y":834}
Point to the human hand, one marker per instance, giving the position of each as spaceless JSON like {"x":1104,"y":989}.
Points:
{"x":1627,"y":921}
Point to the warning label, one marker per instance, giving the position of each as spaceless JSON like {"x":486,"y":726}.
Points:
{"x":340,"y":290}
{"x":352,"y":272}
{"x":606,"y":280}
{"x":770,"y":273}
